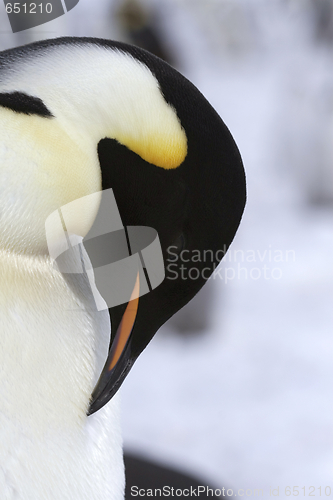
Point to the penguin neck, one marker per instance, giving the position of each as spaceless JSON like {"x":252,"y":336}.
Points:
{"x":53,"y":345}
{"x":49,"y":332}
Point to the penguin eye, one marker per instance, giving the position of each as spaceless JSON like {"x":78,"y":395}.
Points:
{"x":179,"y":243}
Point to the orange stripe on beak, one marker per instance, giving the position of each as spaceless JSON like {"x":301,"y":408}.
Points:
{"x":126,"y":324}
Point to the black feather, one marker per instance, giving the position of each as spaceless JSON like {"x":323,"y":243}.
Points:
{"x":24,"y":103}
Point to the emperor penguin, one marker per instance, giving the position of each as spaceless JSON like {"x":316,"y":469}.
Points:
{"x":79,"y":116}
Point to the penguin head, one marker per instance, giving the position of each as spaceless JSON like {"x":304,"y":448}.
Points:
{"x":111,"y":116}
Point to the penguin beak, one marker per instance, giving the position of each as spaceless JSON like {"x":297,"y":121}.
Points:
{"x":134,"y":265}
{"x":119,"y":361}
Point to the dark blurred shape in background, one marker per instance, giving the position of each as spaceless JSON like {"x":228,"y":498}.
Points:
{"x":141,"y":26}
{"x":147,"y":475}
{"x":323,"y":20}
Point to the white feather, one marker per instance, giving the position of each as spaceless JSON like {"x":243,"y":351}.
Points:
{"x":53,"y":345}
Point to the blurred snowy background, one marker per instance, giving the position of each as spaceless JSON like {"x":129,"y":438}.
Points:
{"x":238,"y":388}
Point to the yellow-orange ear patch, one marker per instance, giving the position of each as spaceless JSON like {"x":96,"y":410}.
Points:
{"x":167,"y":150}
